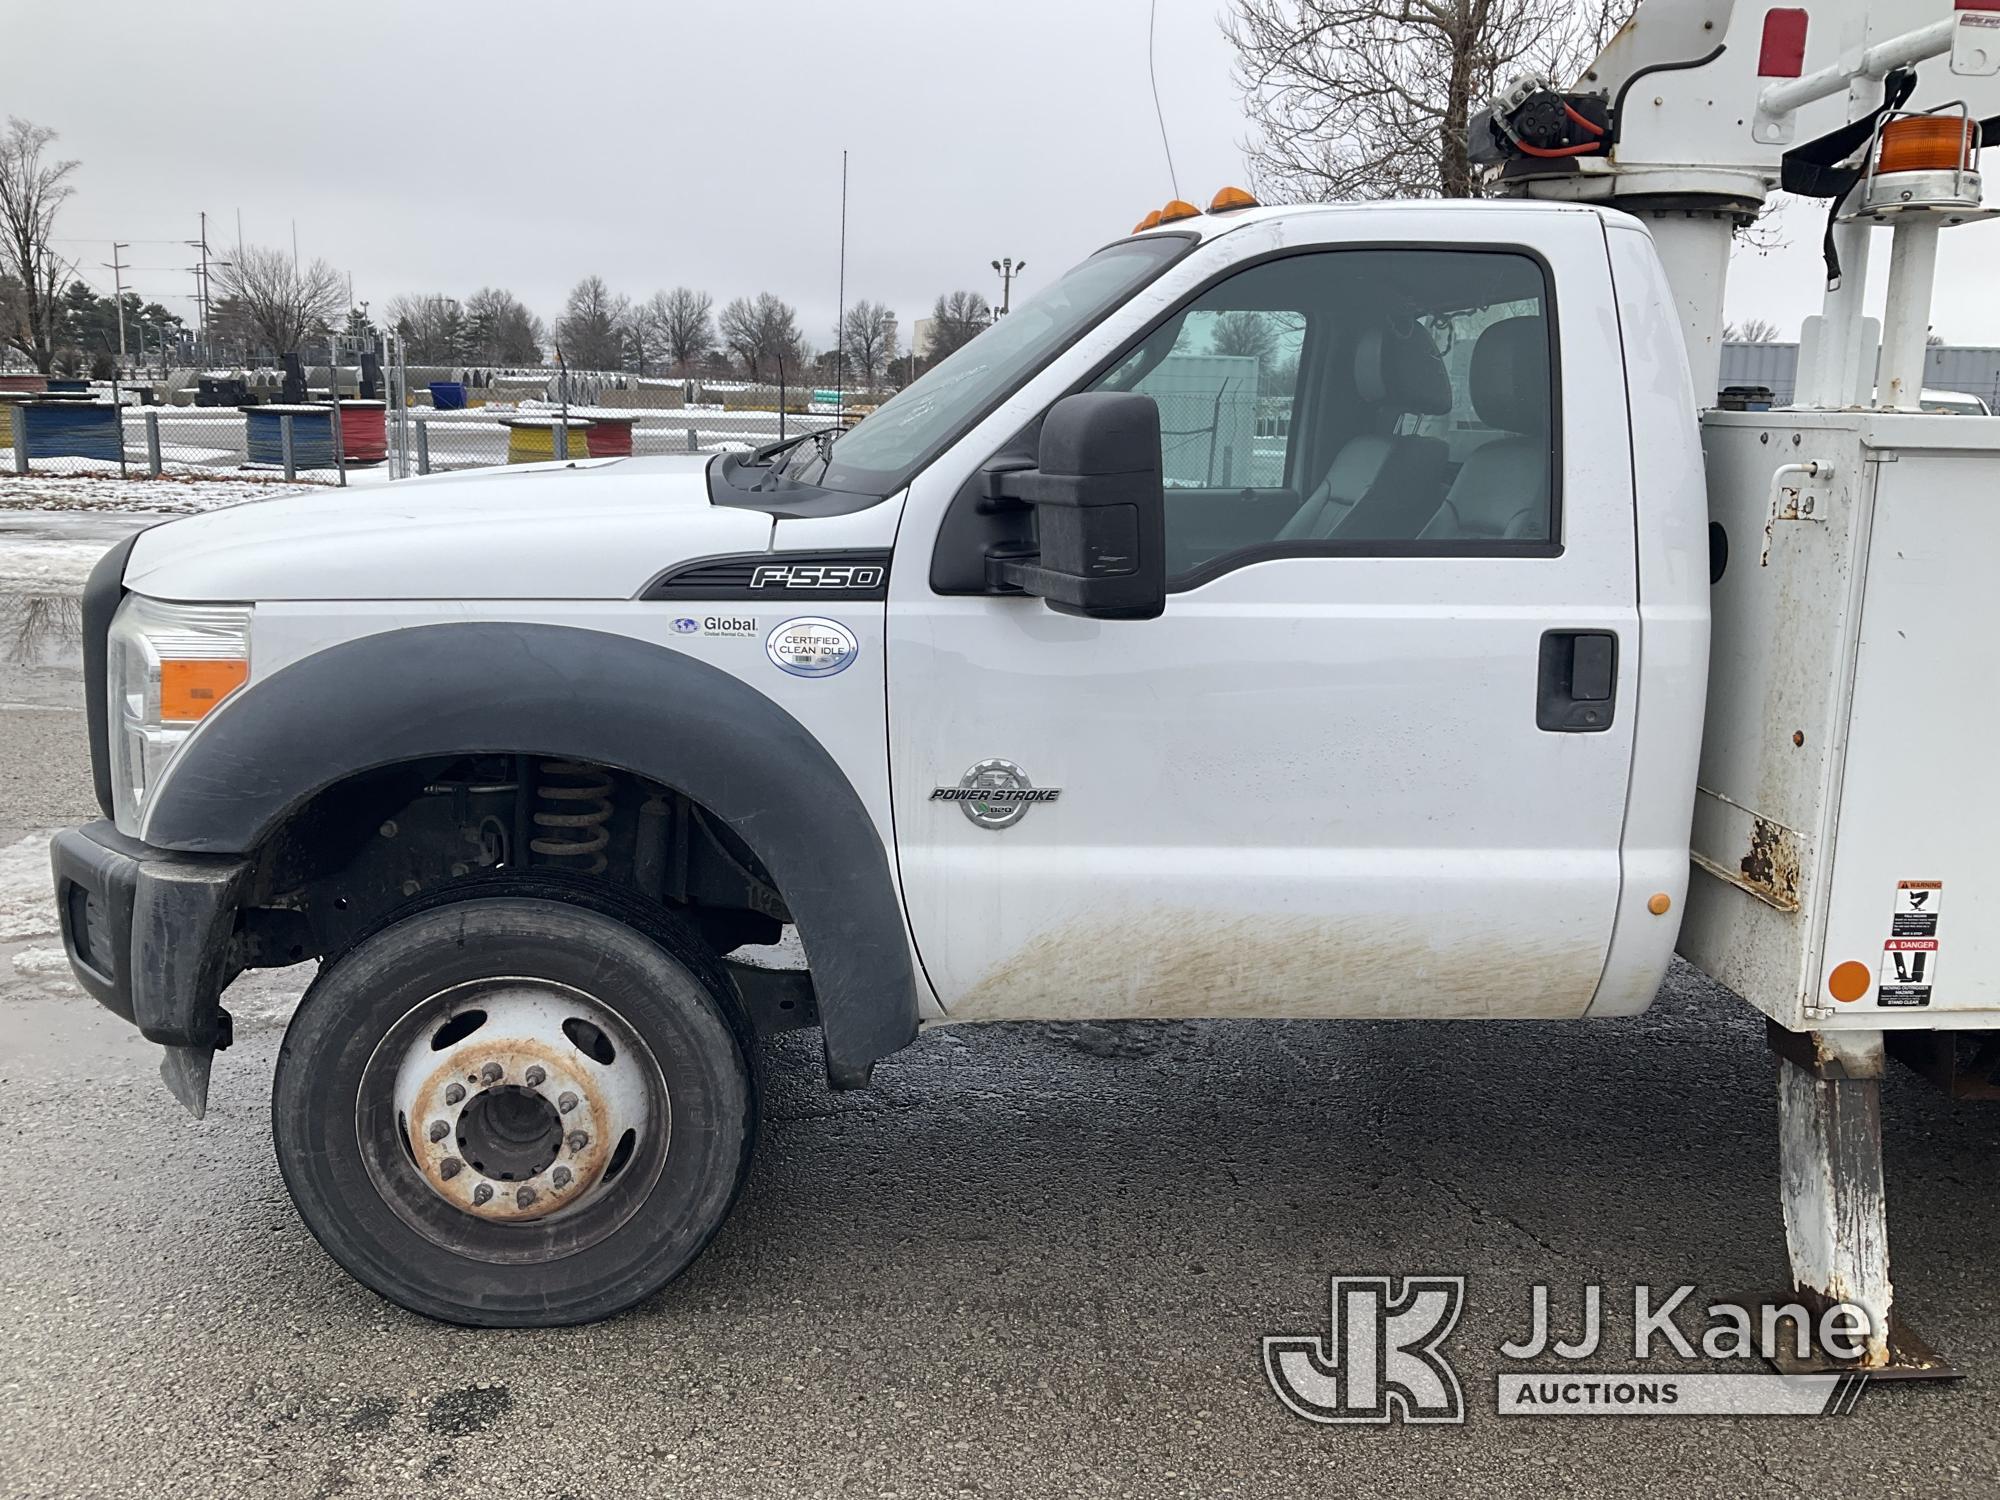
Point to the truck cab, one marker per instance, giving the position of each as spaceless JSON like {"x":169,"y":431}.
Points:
{"x":1288,"y":612}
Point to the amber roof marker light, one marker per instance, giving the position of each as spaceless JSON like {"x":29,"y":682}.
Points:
{"x":1178,"y":208}
{"x":1230,"y":198}
{"x":1927,"y":143}
{"x":1151,"y":221}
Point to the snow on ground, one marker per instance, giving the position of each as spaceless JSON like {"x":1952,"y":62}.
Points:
{"x":28,"y":915}
{"x":37,"y":568}
{"x":45,"y":968}
{"x":27,"y":899}
{"x":168,"y":497}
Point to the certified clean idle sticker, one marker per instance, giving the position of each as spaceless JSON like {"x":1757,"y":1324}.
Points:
{"x":812,"y":647}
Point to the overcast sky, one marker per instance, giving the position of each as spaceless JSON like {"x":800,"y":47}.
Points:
{"x":440,"y":147}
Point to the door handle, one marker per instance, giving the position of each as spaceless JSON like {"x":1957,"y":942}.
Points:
{"x":1576,"y":691}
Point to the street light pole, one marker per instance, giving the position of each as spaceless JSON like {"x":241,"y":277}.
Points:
{"x":1008,"y":268}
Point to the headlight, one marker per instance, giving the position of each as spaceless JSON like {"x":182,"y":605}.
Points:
{"x":168,"y":665}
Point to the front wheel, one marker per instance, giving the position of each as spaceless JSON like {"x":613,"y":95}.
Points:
{"x":515,"y":1112}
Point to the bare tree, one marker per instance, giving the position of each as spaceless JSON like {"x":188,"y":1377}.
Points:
{"x":282,"y":303}
{"x":591,"y":330}
{"x":432,"y":327}
{"x":956,"y":318}
{"x":500,"y":330}
{"x":761,"y":332}
{"x":1752,"y":331}
{"x":32,"y":192}
{"x":1371,"y":98}
{"x":677,"y":328}
{"x":1247,"y":334}
{"x":868,"y":341}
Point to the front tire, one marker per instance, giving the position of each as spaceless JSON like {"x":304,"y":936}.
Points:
{"x":513,"y":1111}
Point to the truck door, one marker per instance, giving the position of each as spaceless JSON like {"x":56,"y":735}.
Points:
{"x":1373,"y":758}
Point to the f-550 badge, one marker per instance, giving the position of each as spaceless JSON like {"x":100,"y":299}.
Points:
{"x":995,"y":794}
{"x":810,"y":576}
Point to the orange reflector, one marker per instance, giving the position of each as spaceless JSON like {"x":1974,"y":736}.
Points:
{"x":1228,"y":198}
{"x":1178,"y":208}
{"x":1926,"y":143}
{"x":1151,"y":221}
{"x":1849,"y":981}
{"x":189,"y":689}
{"x":1659,"y":903}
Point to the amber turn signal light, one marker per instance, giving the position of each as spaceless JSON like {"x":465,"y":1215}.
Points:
{"x":189,"y":689}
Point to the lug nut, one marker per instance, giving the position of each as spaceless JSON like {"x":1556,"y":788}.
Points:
{"x":578,"y":1140}
{"x":524,"y":1196}
{"x":565,"y":1101}
{"x":454,"y":1092}
{"x":483,"y":1194}
{"x":439,"y":1130}
{"x":561,"y":1176}
{"x":537,"y":1077}
{"x":491,"y":1073}
{"x":450,"y":1167}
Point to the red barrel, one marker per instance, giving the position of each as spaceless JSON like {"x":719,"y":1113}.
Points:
{"x":610,"y":437}
{"x":364,"y":431}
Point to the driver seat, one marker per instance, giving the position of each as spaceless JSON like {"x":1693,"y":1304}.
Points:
{"x":1382,"y":486}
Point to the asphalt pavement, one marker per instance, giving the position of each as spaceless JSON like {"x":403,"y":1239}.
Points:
{"x":1033,"y":1260}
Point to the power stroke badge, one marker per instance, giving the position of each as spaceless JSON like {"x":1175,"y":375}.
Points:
{"x":995,"y":794}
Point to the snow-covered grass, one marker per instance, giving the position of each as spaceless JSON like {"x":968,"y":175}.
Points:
{"x":180,"y":496}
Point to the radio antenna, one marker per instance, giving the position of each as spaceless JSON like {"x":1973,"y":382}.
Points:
{"x":1152,"y":16}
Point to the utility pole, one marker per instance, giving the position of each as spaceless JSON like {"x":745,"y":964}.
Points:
{"x":117,"y":268}
{"x":1008,"y":269}
{"x":201,"y":288}
{"x":118,"y":297}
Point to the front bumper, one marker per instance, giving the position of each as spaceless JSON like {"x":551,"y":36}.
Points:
{"x":148,"y":933}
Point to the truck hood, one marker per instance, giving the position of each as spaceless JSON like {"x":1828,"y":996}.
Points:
{"x":590,"y":530}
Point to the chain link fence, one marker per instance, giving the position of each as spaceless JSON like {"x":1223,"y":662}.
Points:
{"x":393,"y":420}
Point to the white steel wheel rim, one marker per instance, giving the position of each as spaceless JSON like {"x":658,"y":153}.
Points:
{"x":540,"y":1116}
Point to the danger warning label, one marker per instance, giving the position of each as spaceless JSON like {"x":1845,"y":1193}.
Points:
{"x":1909,"y":969}
{"x":1916,"y":913}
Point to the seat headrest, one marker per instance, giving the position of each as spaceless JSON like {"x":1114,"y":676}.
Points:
{"x":1402,"y":371}
{"x":1510,"y":376}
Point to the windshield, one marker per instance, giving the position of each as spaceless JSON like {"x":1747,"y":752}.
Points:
{"x":887,"y":448}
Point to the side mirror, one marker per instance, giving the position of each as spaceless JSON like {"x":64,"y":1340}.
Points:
{"x":1099,"y":502}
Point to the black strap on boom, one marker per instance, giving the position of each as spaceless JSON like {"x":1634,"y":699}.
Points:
{"x":1822,"y":168}
{"x":1829,"y":167}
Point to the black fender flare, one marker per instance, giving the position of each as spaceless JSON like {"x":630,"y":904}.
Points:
{"x":477,"y":687}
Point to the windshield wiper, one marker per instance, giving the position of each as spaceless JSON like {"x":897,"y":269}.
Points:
{"x":820,"y":436}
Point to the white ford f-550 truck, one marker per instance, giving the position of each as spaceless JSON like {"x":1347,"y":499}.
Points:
{"x":1292,"y":612}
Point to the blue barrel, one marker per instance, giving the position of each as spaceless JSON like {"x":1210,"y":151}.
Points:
{"x":448,"y":395}
{"x":72,"y":429}
{"x":312,"y":435}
